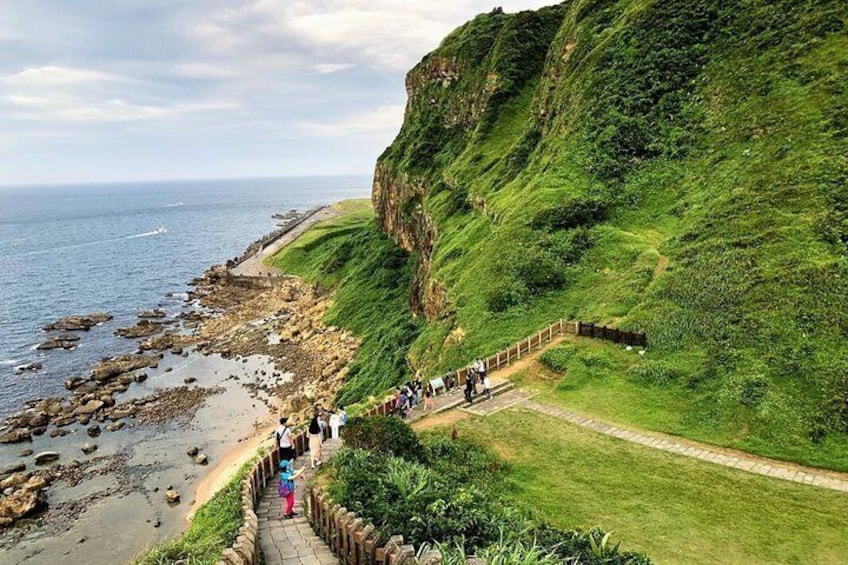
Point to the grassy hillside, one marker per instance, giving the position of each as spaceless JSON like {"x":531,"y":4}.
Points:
{"x":370,"y":275}
{"x":675,"y":167}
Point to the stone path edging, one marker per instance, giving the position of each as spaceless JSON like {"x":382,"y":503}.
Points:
{"x":703,"y":452}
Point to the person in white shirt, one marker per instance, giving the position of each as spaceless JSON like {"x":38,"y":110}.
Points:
{"x":283,"y":436}
{"x":335,"y":422}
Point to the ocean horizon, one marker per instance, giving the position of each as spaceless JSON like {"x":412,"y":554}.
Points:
{"x":121,"y":247}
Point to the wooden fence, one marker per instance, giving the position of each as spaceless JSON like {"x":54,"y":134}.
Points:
{"x":348,"y":536}
{"x":354,"y":541}
{"x":610,"y":334}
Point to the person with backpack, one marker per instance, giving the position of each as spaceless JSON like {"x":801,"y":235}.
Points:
{"x":469,"y":388}
{"x":316,"y":440}
{"x":283,"y":436}
{"x":286,"y":487}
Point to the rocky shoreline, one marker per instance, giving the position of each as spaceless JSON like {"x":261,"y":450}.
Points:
{"x":225,"y":317}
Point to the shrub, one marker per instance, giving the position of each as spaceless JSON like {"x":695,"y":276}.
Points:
{"x":384,"y":435}
{"x":572,"y":213}
{"x":654,"y":372}
{"x":558,"y":358}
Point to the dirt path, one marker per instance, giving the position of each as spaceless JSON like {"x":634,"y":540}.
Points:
{"x":254,"y":266}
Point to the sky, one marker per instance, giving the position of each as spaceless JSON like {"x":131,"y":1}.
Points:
{"x":133,"y":90}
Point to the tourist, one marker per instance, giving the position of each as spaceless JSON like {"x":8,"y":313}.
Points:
{"x":487,"y":388}
{"x":335,"y":423}
{"x":316,"y":440}
{"x":284,"y":440}
{"x":469,"y":388}
{"x":428,"y":401}
{"x":471,"y":375}
{"x":480,"y":367}
{"x":342,"y":417}
{"x":286,"y":487}
{"x":403,"y":404}
{"x":450,"y":379}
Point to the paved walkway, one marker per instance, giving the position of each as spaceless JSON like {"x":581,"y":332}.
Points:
{"x":292,"y":542}
{"x":254,"y":266}
{"x":727,"y":458}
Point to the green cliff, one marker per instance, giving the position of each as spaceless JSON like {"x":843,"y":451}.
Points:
{"x":676,"y":167}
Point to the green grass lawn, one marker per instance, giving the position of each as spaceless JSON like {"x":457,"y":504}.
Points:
{"x":675,"y":509}
{"x":600,"y":379}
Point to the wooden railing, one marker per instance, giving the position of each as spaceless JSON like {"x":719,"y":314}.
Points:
{"x":348,"y":536}
{"x":354,"y":540}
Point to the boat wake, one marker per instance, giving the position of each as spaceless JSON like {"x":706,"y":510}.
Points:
{"x":157,"y":231}
{"x":174,"y":205}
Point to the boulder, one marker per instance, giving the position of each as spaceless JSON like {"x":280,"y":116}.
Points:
{"x":12,"y":469}
{"x":28,"y":367}
{"x":13,"y":481}
{"x":172,"y":496}
{"x":25,"y":453}
{"x":93,"y":431}
{"x":201,"y":459}
{"x":74,"y":323}
{"x":108,"y":369}
{"x":144,"y":328}
{"x":192,"y":451}
{"x":89,"y":407}
{"x":35,"y":483}
{"x":59,"y":432}
{"x":16,"y":436}
{"x":141,"y":377}
{"x":155,"y":313}
{"x":115,"y":426}
{"x":89,"y":448}
{"x":189,"y":380}
{"x":61,"y":341}
{"x":19,"y":504}
{"x":46,"y":457}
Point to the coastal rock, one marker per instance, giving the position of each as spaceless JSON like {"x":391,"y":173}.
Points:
{"x":141,"y":377}
{"x":25,"y":453}
{"x":93,"y":431}
{"x":189,"y":380}
{"x":58,"y":432}
{"x":35,"y":483}
{"x":177,"y":350}
{"x":29,"y":367}
{"x":75,"y":323}
{"x":19,"y":504}
{"x":89,"y":448}
{"x":61,"y":341}
{"x":13,"y":481}
{"x":144,"y":328}
{"x":16,"y":436}
{"x":155,"y":313}
{"x":192,"y":451}
{"x":11,"y":469}
{"x":123,"y":412}
{"x":115,"y":426}
{"x":108,"y":369}
{"x":73,"y":382}
{"x":89,"y":407}
{"x":46,"y":457}
{"x":172,"y":496}
{"x":201,"y":459}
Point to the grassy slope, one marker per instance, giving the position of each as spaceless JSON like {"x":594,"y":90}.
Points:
{"x":711,"y":134}
{"x":675,"y":509}
{"x":370,"y":276}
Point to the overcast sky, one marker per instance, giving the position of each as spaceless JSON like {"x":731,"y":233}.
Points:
{"x":113,"y":90}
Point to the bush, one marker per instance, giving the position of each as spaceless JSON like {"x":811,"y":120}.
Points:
{"x":572,"y":213}
{"x":558,"y":358}
{"x":654,"y":372}
{"x":384,"y":435}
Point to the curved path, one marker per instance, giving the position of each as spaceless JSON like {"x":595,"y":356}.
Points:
{"x":292,"y":542}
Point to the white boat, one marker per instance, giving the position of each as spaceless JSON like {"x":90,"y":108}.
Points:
{"x":160,"y":231}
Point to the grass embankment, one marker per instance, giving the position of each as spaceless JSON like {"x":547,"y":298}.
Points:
{"x":213,"y":529}
{"x":369,"y":276}
{"x":676,"y":509}
{"x":675,"y":167}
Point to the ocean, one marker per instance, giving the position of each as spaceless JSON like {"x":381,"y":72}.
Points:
{"x":77,"y":249}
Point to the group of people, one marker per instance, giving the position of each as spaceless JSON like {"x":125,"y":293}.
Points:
{"x":411,"y":395}
{"x":335,"y":419}
{"x":477,"y":374}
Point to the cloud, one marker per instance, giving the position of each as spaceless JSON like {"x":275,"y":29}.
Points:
{"x":380,"y":121}
{"x":52,"y":75}
{"x":329,"y":68}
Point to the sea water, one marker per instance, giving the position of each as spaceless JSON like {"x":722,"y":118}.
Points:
{"x":77,"y":249}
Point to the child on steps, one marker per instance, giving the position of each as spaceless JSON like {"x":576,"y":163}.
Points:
{"x":287,"y":477}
